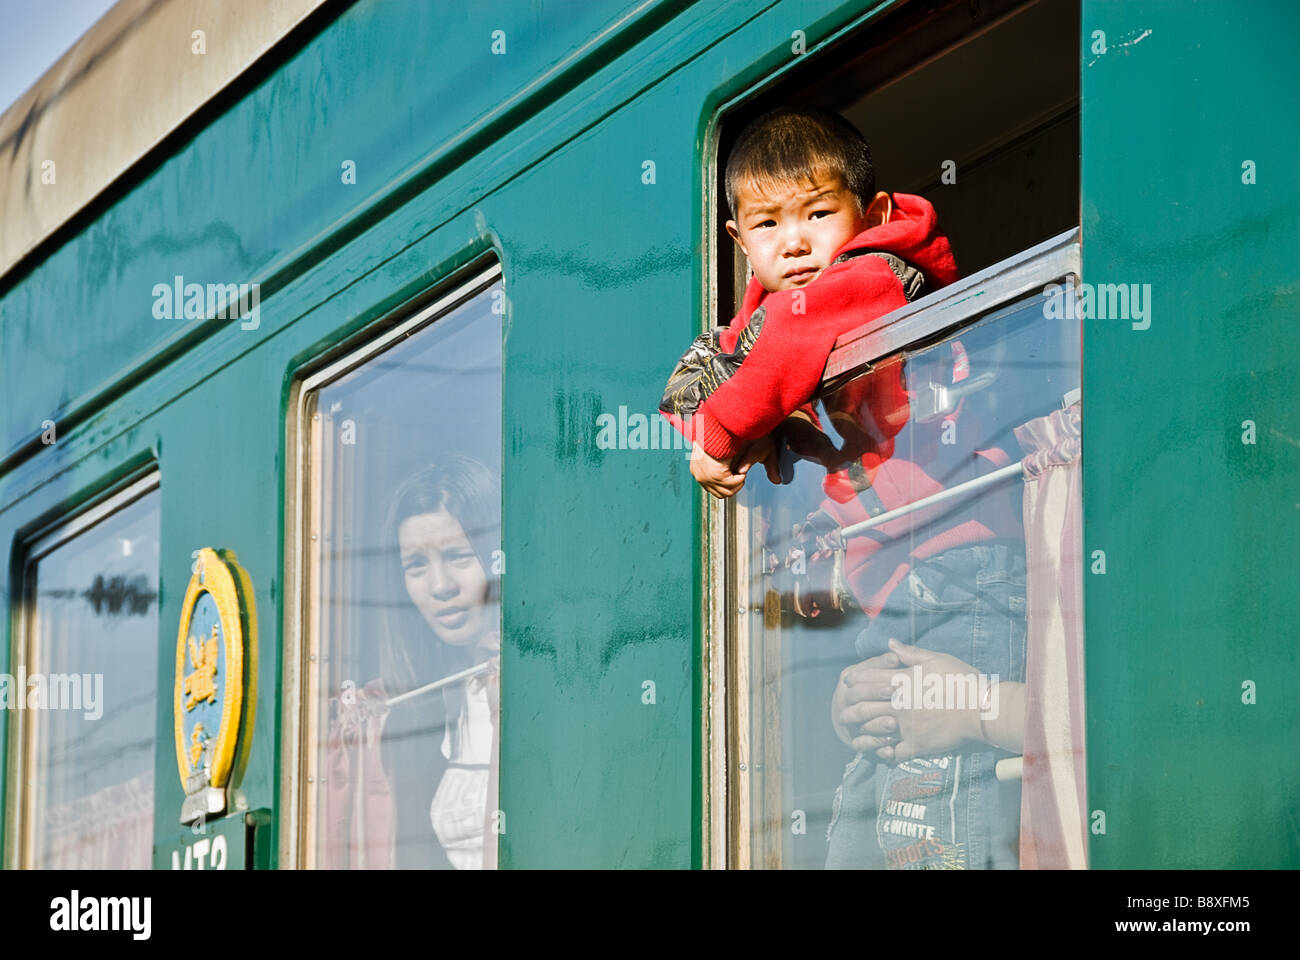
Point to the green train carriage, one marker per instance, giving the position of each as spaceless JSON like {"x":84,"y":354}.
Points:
{"x":486,"y":232}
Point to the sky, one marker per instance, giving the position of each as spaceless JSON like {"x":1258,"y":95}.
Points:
{"x":34,"y":34}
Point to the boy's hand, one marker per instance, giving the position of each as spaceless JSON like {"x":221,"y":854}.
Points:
{"x":714,"y":475}
{"x":809,"y":442}
{"x":765,"y":452}
{"x":719,"y":479}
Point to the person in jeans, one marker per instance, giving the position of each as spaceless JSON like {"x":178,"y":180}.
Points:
{"x":943,"y":591}
{"x":922,"y":792}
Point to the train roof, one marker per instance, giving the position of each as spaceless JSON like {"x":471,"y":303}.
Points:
{"x":128,"y":82}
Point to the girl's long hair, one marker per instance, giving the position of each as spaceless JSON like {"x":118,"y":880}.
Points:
{"x":411,"y":653}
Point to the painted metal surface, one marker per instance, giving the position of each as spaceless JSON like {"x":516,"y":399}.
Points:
{"x":1194,"y":508}
{"x":540,"y":154}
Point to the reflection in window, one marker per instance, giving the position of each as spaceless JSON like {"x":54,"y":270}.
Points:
{"x":860,"y":754}
{"x":92,"y":665}
{"x":403,"y":607}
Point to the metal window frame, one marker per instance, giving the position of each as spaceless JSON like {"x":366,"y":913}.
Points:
{"x":946,"y":311}
{"x":299,"y":690}
{"x":956,"y":305}
{"x":19,"y":818}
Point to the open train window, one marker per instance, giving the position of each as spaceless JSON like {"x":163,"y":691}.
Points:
{"x":396,"y":647}
{"x":973,"y":106}
{"x":83,"y":691}
{"x":937,"y":507}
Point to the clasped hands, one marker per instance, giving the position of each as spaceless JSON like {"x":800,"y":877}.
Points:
{"x":867,"y":721}
{"x":721,"y":480}
{"x":804,"y":439}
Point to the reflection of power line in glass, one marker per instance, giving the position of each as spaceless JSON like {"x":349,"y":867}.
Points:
{"x":83,"y":764}
{"x":347,"y":552}
{"x":112,"y":596}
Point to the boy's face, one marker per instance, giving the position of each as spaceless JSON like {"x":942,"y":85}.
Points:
{"x":790,"y":235}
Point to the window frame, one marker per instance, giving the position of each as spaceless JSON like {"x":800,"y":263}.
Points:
{"x":727,"y":806}
{"x":299,"y":678}
{"x":19,"y":818}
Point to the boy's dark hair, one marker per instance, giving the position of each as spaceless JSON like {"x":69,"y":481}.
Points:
{"x":791,"y":143}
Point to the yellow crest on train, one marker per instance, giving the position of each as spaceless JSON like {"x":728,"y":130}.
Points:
{"x":215,"y":675}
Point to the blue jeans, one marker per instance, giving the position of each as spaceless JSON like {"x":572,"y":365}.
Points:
{"x":949,"y":811}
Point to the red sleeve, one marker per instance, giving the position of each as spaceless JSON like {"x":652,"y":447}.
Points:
{"x":784,"y":368}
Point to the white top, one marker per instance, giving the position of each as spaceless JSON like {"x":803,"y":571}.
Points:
{"x":461,"y":800}
{"x":468,"y":738}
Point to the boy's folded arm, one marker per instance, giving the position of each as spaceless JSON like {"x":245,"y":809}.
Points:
{"x":688,"y":383}
{"x":783,"y":370}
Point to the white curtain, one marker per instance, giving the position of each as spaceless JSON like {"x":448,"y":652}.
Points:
{"x":1053,"y":814}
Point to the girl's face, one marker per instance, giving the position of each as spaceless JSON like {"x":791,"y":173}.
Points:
{"x":444,"y":578}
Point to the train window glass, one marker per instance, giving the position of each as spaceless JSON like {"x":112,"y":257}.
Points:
{"x":912,"y":517}
{"x":90,"y":664}
{"x":402,"y":443}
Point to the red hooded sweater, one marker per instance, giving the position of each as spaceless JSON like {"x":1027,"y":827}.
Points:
{"x":783,"y":371}
{"x":784,"y":368}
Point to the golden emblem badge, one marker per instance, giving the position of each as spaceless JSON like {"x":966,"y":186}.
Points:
{"x":216,"y":648}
